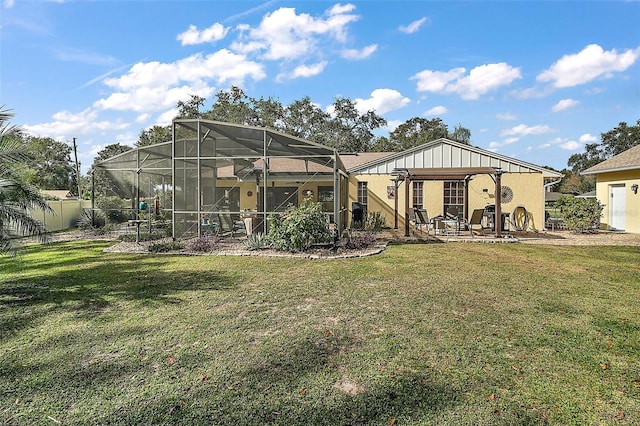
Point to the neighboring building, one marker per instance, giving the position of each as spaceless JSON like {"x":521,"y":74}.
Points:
{"x":617,"y":181}
{"x":214,"y":168}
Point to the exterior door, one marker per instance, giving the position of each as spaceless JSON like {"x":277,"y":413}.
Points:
{"x":617,"y":207}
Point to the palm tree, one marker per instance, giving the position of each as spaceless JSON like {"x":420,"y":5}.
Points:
{"x":17,"y":196}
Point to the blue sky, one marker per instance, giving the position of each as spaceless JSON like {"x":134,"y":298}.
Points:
{"x":534,"y":80}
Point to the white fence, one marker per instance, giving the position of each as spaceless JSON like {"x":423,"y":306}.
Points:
{"x":65,"y":214}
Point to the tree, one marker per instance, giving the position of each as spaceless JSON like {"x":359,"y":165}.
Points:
{"x":17,"y":196}
{"x":191,"y":108}
{"x":350,"y":131}
{"x":461,"y":134}
{"x":232,"y":106}
{"x":51,"y":164}
{"x":575,"y":183}
{"x":104,"y":185}
{"x":153,"y":135}
{"x":620,"y":139}
{"x":268,"y":113}
{"x":612,"y":143}
{"x":304,"y":119}
{"x":591,"y":156}
{"x":417,"y":131}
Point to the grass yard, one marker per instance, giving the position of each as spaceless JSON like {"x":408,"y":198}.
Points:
{"x":421,"y":334}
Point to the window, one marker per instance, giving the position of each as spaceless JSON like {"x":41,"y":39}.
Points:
{"x":362,"y":193}
{"x":417,"y":194}
{"x":454,"y":198}
{"x":325,"y":196}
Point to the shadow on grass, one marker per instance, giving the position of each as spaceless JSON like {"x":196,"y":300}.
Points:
{"x":294,"y":382}
{"x":83,"y":280}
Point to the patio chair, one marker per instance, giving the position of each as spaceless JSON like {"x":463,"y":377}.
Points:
{"x":476,"y":220}
{"x":420,"y":219}
{"x":229,"y":226}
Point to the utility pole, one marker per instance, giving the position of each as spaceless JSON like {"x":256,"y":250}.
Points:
{"x":75,"y":153}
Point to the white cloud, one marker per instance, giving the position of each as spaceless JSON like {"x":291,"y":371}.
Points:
{"x":166,"y":117}
{"x":524,"y":130}
{"x":566,"y":144}
{"x":590,"y":63}
{"x":303,"y":71}
{"x":142,"y":118}
{"x":284,"y":34}
{"x":413,"y":27}
{"x":506,"y":116}
{"x":587,"y":138}
{"x":66,"y":125}
{"x":382,"y":101}
{"x":8,"y":3}
{"x":477,"y":82}
{"x":508,"y":141}
{"x":564,"y":104}
{"x":571,"y":145}
{"x":359,"y":54}
{"x":153,"y":86}
{"x":437,"y":110}
{"x":208,"y":35}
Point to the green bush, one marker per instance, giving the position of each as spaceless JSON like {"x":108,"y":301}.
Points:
{"x":374,"y":222}
{"x":113,"y":208}
{"x":580,"y":214}
{"x":298,"y":229}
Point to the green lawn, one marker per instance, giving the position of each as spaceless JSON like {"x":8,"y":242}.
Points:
{"x":421,"y":334}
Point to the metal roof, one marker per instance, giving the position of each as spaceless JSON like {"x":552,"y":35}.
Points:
{"x":445,"y":154}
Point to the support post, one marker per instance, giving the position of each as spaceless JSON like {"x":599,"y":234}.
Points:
{"x":406,"y":206}
{"x":498,"y":218}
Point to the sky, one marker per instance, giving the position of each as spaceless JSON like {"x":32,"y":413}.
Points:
{"x":532,"y":80}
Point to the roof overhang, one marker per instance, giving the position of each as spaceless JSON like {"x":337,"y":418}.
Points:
{"x":610,"y":170}
{"x":449,"y":173}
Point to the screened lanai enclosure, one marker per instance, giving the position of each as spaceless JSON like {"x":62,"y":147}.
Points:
{"x":226,"y":177}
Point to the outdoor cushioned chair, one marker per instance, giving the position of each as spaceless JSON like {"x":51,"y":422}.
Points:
{"x":476,"y":220}
{"x":420,"y":219}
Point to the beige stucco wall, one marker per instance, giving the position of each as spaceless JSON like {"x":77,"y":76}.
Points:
{"x":632,"y":201}
{"x":528,"y":191}
{"x":248,"y":191}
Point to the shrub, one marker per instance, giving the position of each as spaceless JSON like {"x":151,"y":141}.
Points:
{"x":255,"y":242}
{"x":113,"y":209}
{"x":165,"y":246}
{"x":374,"y":222}
{"x":358,"y":241}
{"x":85,"y":219}
{"x":580,"y":214}
{"x":203,"y":244}
{"x":144,"y":236}
{"x":298,"y":229}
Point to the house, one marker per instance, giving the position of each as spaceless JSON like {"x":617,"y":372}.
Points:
{"x":447,"y":177}
{"x":617,"y":181}
{"x":212,"y":168}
